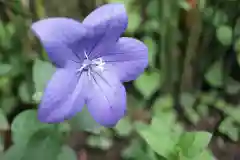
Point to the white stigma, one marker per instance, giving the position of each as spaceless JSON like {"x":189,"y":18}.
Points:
{"x":89,"y":65}
{"x":99,"y":63}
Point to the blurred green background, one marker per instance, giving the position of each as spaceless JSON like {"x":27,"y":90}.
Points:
{"x":192,"y":83}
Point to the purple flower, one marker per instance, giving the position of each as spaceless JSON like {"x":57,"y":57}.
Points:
{"x":92,"y":62}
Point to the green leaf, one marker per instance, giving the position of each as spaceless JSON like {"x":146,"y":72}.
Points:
{"x":233,"y":112}
{"x":5,"y":69}
{"x":2,"y":31}
{"x":166,"y":123}
{"x":151,"y":154}
{"x":4,"y":81}
{"x":163,"y":124}
{"x":99,"y":142}
{"x":2,"y":145}
{"x":152,"y":50}
{"x":163,"y":103}
{"x":161,"y":142}
{"x":151,"y":25}
{"x":202,"y":110}
{"x":220,"y":103}
{"x":237,"y":49}
{"x":233,"y":87}
{"x":10,"y":29}
{"x":209,"y":98}
{"x":124,"y":127}
{"x":127,"y":3}
{"x":187,"y":99}
{"x":219,"y":17}
{"x":202,"y":4}
{"x":37,"y":96}
{"x":42,"y":72}
{"x":8,"y":103}
{"x":134,"y":102}
{"x":134,"y":151}
{"x":205,"y":155}
{"x":43,"y":145}
{"x":237,"y":45}
{"x":16,"y":61}
{"x":187,"y":102}
{"x":185,"y":5}
{"x":3,"y":121}
{"x":4,"y":37}
{"x":134,"y":21}
{"x":24,"y":93}
{"x":152,"y":9}
{"x":148,"y":83}
{"x":25,"y":125}
{"x":84,"y":121}
{"x":15,"y":152}
{"x":224,"y":35}
{"x":194,"y":143}
{"x":67,"y":153}
{"x":214,"y":75}
{"x":64,"y":127}
{"x":229,"y":128}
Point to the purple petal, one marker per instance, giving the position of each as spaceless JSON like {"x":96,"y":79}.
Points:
{"x":61,"y":38}
{"x":105,"y":25}
{"x":63,"y":97}
{"x":106,"y":101}
{"x":129,"y":58}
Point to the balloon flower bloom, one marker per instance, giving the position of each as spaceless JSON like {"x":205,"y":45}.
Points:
{"x":92,"y":62}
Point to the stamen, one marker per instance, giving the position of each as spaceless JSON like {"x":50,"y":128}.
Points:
{"x":85,"y":53}
{"x":100,"y":63}
{"x":88,"y":65}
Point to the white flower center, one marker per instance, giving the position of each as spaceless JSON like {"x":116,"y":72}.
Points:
{"x":89,"y":65}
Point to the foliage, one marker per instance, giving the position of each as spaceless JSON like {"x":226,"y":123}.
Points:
{"x":194,"y":55}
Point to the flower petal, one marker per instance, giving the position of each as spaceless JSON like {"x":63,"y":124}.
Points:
{"x":105,"y":24}
{"x":106,"y":100}
{"x":61,"y":38}
{"x":63,"y":97}
{"x":129,"y":58}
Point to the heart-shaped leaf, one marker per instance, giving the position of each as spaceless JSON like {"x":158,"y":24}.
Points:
{"x":148,"y":83}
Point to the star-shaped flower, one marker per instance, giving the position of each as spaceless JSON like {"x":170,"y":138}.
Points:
{"x":92,"y":62}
